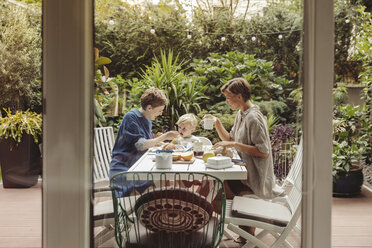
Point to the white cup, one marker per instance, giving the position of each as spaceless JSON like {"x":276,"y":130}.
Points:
{"x":163,"y":160}
{"x":208,"y":123}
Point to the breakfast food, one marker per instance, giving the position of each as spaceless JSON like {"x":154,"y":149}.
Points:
{"x":169,"y":146}
{"x":224,"y":152}
{"x":176,"y":156}
{"x":227,"y":152}
{"x":187,"y":155}
{"x":208,"y":155}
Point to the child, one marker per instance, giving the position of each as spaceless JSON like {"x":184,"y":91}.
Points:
{"x":186,"y":126}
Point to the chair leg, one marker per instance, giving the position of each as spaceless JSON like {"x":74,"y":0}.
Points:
{"x":227,"y":234}
{"x":247,"y":236}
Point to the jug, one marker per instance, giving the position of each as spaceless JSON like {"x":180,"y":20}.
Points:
{"x":163,"y":159}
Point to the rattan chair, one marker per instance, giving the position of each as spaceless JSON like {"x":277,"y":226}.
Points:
{"x":163,"y":212}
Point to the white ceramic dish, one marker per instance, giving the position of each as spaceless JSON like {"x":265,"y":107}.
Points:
{"x":219,"y":162}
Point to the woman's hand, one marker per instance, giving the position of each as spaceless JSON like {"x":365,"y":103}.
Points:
{"x":209,"y":116}
{"x":224,"y":144}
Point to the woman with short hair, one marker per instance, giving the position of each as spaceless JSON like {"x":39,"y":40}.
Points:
{"x":250,"y":137}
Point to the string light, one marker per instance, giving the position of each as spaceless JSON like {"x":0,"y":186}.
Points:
{"x":189,"y":34}
{"x":111,"y":21}
{"x":243,"y":36}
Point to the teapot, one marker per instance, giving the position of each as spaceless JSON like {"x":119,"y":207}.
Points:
{"x":163,"y":159}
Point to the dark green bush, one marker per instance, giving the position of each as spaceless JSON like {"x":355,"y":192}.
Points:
{"x":20,"y":56}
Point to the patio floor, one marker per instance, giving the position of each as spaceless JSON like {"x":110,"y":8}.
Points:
{"x":20,"y":220}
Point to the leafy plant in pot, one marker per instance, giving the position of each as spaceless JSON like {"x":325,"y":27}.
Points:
{"x":19,"y":151}
{"x":349,"y":145}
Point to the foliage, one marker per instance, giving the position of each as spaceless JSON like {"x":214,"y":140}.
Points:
{"x":20,"y":56}
{"x":349,"y":143}
{"x":346,"y":19}
{"x":340,"y":94}
{"x":269,"y":91}
{"x":364,"y":46}
{"x":217,"y":69}
{"x":36,"y":2}
{"x":100,"y":91}
{"x":272,"y":122}
{"x":280,"y":135}
{"x":282,"y":138}
{"x":265,"y":28}
{"x":109,"y":93}
{"x":183,"y":92}
{"x":129,"y":43}
{"x":14,"y":126}
{"x":273,"y":107}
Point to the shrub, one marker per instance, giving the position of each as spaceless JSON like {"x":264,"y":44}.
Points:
{"x":14,"y":126}
{"x":183,"y":92}
{"x":20,"y":56}
{"x":268,"y":90}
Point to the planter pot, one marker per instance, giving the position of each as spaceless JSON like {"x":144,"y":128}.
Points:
{"x":348,"y":185}
{"x":21,"y":165}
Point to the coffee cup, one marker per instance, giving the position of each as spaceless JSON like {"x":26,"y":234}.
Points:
{"x":208,"y":123}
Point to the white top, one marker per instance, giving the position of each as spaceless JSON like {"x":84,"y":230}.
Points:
{"x":183,"y":141}
{"x":147,"y":163}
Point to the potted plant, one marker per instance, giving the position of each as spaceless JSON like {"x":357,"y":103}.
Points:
{"x":349,"y":146}
{"x":19,"y":151}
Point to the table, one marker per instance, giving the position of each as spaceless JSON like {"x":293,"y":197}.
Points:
{"x":146,"y":164}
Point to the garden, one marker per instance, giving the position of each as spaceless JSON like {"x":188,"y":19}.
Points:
{"x":190,"y":50}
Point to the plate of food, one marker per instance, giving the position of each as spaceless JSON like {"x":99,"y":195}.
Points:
{"x":174,"y":147}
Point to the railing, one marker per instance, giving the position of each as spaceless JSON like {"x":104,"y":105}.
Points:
{"x":283,"y":160}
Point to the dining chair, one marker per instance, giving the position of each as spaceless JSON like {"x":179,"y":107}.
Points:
{"x":166,"y":213}
{"x":277,"y":217}
{"x":103,"y":144}
{"x":205,"y":141}
{"x":103,"y":212}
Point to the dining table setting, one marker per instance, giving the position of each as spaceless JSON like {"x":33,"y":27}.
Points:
{"x":191,"y":158}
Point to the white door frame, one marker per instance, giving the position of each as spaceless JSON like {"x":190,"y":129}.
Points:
{"x":67,"y":122}
{"x":317,"y":123}
{"x":68,"y":81}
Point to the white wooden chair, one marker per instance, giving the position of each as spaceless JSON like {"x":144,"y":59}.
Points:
{"x":277,"y":217}
{"x":205,"y":141}
{"x":103,"y":144}
{"x":295,"y":167}
{"x":103,"y":212}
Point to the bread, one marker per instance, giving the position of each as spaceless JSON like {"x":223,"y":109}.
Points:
{"x":227,"y":152}
{"x":224,"y":151}
{"x":169,"y":146}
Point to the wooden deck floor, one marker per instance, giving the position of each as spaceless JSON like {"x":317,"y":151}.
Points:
{"x":20,"y":220}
